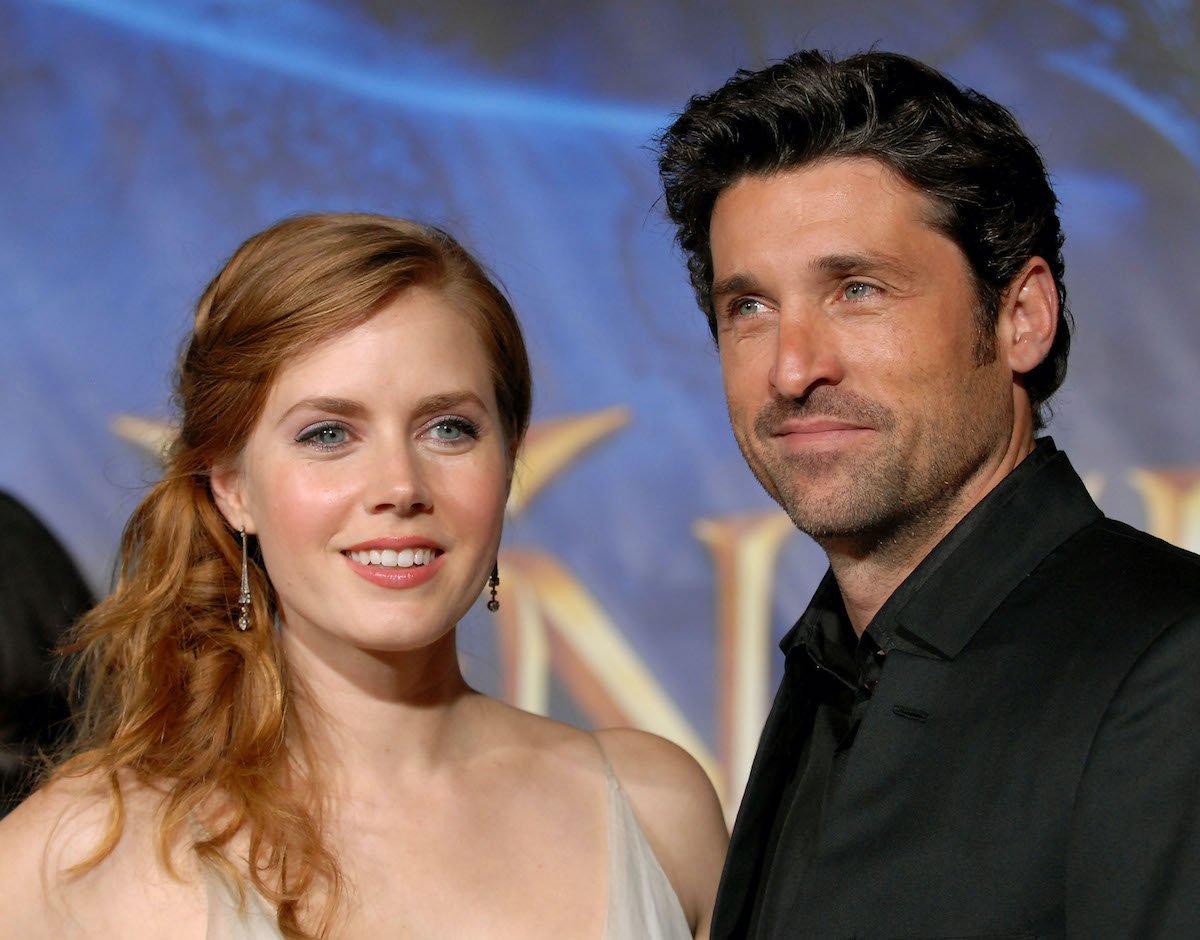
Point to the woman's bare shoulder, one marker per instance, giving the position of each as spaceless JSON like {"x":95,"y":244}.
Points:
{"x":52,"y":889}
{"x":54,"y":827}
{"x":543,"y":740}
{"x":678,"y":809}
{"x":649,"y":762}
{"x":661,"y":778}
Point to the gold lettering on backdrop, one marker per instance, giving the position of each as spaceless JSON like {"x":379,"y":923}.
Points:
{"x":744,"y":550}
{"x":554,"y":443}
{"x":1172,"y":501}
{"x":154,"y":437}
{"x":587,"y":652}
{"x":551,"y":623}
{"x":550,"y":446}
{"x":524,"y":647}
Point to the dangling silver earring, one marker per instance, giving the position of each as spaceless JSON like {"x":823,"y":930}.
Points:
{"x":243,"y":623}
{"x":494,"y":582}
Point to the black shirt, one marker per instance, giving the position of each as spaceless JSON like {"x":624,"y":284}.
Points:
{"x":829,"y":677}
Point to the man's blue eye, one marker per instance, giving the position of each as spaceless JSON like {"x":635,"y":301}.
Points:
{"x":747,"y":307}
{"x":858,"y":290}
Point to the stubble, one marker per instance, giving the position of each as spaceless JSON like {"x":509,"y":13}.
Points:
{"x":887,"y":496}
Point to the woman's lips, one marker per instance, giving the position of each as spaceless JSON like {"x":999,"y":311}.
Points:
{"x":395,"y":562}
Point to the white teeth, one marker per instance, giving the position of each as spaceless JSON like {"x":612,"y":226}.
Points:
{"x":390,"y":558}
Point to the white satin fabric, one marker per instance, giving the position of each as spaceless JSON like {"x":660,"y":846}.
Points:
{"x":228,"y":921}
{"x":642,"y":905}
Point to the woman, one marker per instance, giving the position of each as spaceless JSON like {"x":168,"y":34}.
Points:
{"x":278,"y":739}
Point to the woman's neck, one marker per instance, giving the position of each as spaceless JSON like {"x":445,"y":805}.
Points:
{"x":371,"y":717}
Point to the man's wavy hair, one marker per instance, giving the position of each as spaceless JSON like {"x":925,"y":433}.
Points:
{"x":985,"y":181}
{"x":174,"y":694}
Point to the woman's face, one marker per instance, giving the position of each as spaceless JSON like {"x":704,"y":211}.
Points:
{"x":375,"y":480}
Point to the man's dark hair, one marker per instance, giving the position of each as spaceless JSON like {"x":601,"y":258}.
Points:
{"x":985,"y":179}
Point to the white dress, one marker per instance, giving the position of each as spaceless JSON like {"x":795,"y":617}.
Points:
{"x":642,"y":905}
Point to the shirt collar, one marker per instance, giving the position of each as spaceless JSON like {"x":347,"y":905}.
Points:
{"x":939,"y":606}
{"x":823,"y":634}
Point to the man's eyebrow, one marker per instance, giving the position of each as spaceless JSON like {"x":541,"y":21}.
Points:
{"x":836,"y":265}
{"x":734,"y":284}
{"x":851,"y":263}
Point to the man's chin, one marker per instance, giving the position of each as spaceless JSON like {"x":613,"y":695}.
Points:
{"x":836,"y":508}
{"x":811,"y":479}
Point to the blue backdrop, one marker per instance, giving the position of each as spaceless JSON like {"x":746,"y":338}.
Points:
{"x":141,"y":141}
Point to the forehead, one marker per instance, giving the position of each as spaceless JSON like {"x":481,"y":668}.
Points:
{"x":422,"y":337}
{"x":829,"y":205}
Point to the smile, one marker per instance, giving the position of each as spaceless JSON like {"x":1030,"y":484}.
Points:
{"x":391,"y":558}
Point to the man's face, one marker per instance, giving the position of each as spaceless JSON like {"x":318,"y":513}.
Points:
{"x":849,"y":346}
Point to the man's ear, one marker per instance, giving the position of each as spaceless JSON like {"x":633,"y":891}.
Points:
{"x":1028,"y":317}
{"x":226,"y":482}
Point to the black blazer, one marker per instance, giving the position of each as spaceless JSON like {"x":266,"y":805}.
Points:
{"x":1029,"y":765}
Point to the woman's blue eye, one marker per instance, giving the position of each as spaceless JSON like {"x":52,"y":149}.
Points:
{"x":453,"y":430}
{"x":324,"y":435}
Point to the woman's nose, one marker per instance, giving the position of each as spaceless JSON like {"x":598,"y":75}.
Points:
{"x":399,"y":484}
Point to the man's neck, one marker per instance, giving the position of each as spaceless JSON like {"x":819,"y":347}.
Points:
{"x":867,"y":577}
{"x":869,"y":568}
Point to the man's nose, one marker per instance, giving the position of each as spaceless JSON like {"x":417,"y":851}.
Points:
{"x":807,"y":354}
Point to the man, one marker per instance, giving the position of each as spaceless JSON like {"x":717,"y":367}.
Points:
{"x":986,"y":722}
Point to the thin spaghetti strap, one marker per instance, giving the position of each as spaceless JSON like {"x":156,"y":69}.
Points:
{"x":642,"y":905}
{"x":231,"y":918}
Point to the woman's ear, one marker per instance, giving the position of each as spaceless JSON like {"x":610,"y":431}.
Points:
{"x":226,"y":482}
{"x":1029,"y":317}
